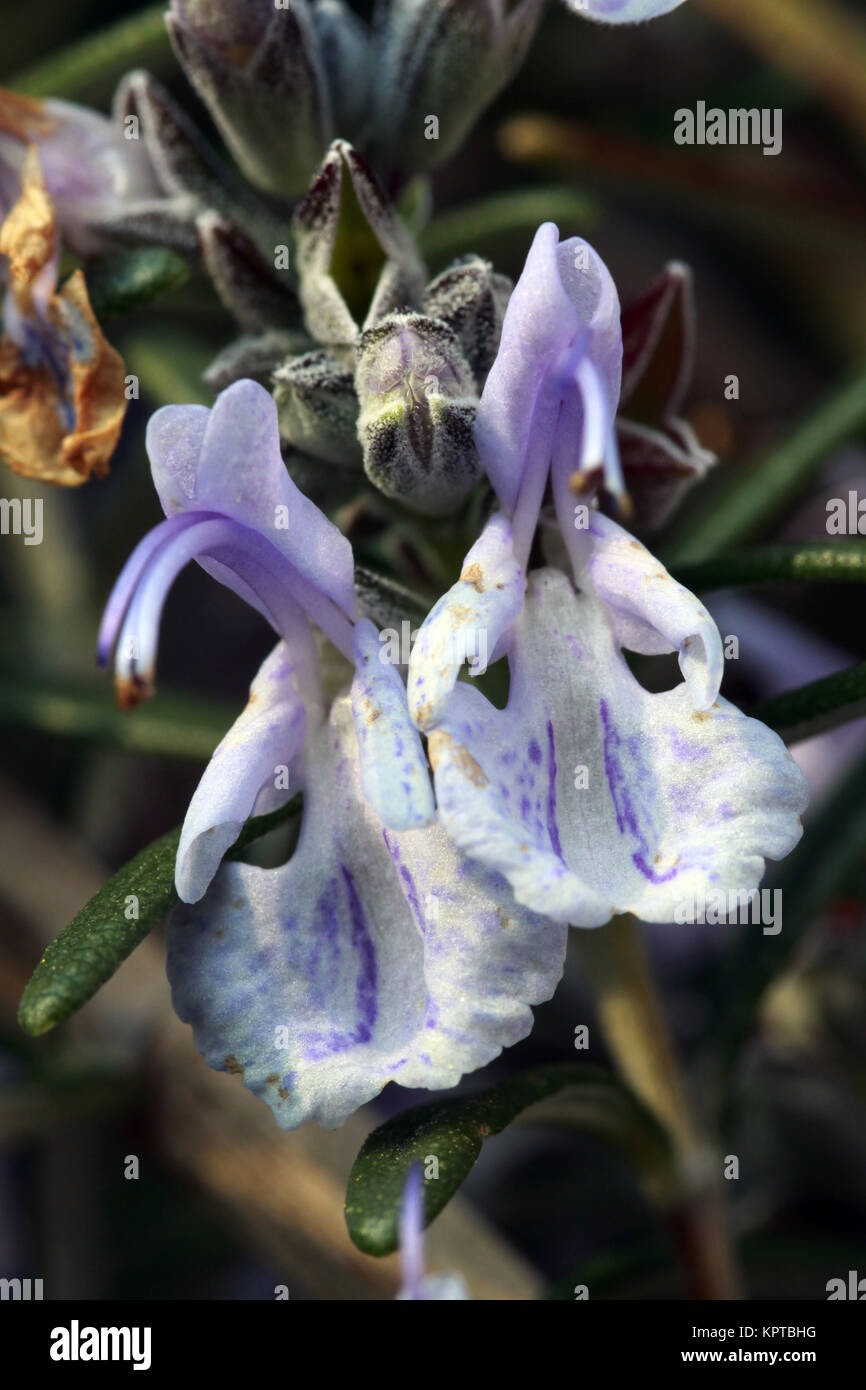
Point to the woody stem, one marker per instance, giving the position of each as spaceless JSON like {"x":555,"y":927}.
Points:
{"x":637,"y":1037}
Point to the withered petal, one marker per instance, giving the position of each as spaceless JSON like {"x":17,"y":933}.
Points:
{"x":33,"y":438}
{"x":28,"y":236}
{"x":98,"y":379}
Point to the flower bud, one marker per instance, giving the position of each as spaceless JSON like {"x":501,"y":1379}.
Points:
{"x":471,"y":298}
{"x":352,"y":251}
{"x":344,"y":45}
{"x":258,"y":69}
{"x":253,"y":293}
{"x":418,"y":401}
{"x":255,"y":355}
{"x":440,"y":64}
{"x":318,"y":408}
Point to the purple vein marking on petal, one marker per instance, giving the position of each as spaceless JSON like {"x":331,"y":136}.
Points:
{"x":365,"y":990}
{"x":552,"y":827}
{"x":431,"y":1013}
{"x":410,"y":891}
{"x":626,"y":818}
{"x":317,"y":1043}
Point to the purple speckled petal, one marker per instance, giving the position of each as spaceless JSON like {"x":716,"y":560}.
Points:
{"x":251,"y":770}
{"x":594,"y":797}
{"x":395,"y":778}
{"x":467,"y":623}
{"x":370,"y":956}
{"x":622,"y":11}
{"x":227,"y":460}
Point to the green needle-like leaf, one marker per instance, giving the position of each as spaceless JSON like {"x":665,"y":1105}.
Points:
{"x":748,"y":498}
{"x":833,"y":562}
{"x":814,"y":708}
{"x":486,"y":224}
{"x":120,"y":284}
{"x":453,"y":1131}
{"x":88,"y":70}
{"x":99,"y":939}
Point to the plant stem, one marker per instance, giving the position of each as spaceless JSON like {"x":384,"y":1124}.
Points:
{"x":637,"y":1036}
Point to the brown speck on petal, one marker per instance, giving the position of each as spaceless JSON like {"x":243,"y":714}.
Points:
{"x":232,"y":1065}
{"x":437,"y":744}
{"x":461,"y":612}
{"x":474,"y":575}
{"x":35,"y":440}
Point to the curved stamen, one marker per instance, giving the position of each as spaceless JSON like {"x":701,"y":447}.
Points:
{"x":125,"y":585}
{"x":273,"y":583}
{"x":135,"y":657}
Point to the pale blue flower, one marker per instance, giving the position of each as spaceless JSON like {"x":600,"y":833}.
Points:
{"x":589,"y":794}
{"x":374,"y":953}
